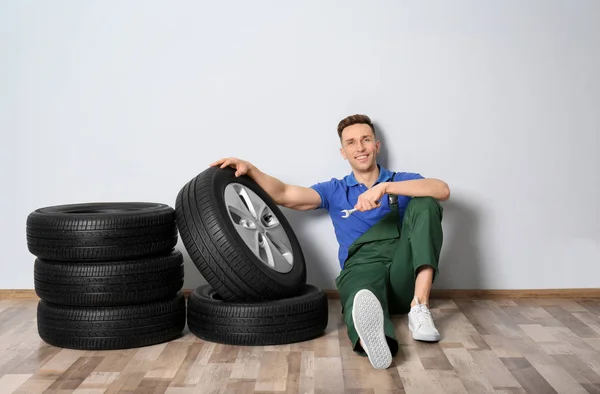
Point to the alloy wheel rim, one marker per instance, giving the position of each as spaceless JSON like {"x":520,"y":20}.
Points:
{"x":259,"y":227}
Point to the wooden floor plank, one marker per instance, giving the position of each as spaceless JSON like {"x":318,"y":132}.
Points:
{"x":529,"y":378}
{"x":503,"y":346}
{"x":10,"y":383}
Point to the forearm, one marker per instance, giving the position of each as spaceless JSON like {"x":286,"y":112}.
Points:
{"x":429,"y":187}
{"x":271,"y":185}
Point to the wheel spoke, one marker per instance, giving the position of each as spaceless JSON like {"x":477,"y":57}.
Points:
{"x":250,"y":237}
{"x":235,"y":203}
{"x":266,"y":254}
{"x":252,"y":203}
{"x":277,"y":232}
{"x":282,"y":256}
{"x":258,"y":205}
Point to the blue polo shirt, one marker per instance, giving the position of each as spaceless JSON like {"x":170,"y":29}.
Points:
{"x":339,"y":194}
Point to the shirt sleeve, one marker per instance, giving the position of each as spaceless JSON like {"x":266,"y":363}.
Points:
{"x":407,"y":176}
{"x":324,"y":189}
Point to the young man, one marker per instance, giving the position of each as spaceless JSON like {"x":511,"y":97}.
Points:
{"x":389,"y":247}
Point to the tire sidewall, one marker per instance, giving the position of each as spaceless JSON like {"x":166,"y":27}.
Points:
{"x":205,"y":294}
{"x":115,"y":209}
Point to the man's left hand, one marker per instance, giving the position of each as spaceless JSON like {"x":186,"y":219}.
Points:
{"x":371,"y":198}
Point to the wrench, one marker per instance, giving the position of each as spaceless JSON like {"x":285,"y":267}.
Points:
{"x":347,"y":212}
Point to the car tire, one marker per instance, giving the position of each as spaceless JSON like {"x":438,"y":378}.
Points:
{"x":129,"y":282}
{"x":277,"y":322}
{"x":110,"y":328}
{"x":218,"y":216}
{"x":101,"y":231}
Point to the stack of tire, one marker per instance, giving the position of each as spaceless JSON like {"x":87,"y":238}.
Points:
{"x":244,"y":247}
{"x":107,"y":275}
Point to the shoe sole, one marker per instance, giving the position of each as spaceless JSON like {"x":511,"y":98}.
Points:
{"x":425,"y":338}
{"x":367,"y":315}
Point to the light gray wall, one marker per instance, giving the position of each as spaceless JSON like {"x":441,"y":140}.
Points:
{"x":127,"y":101}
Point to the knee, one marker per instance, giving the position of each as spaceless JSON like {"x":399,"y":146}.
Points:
{"x":421,"y":203}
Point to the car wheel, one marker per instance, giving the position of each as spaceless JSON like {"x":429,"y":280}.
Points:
{"x":238,"y":237}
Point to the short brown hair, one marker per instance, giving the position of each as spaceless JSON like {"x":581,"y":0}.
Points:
{"x":354,"y":119}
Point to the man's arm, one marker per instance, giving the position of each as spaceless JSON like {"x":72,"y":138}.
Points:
{"x":290,"y":196}
{"x":428,"y":187}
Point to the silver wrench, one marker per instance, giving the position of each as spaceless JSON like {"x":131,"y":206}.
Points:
{"x":347,"y":212}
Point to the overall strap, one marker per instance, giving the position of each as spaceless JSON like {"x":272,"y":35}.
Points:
{"x":393,"y":199}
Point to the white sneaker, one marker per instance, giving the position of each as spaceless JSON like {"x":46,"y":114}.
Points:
{"x":367,"y":315}
{"x":420,"y":323}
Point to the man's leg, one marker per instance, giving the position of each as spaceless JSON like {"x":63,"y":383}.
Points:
{"x":363,"y":295}
{"x":425,"y":277}
{"x":415,"y":265}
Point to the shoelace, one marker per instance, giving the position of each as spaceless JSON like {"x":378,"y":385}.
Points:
{"x":424,"y":315}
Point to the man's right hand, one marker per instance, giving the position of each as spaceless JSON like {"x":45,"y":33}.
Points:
{"x":241,"y":166}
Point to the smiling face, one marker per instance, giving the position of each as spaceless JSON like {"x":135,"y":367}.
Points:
{"x":359,"y":147}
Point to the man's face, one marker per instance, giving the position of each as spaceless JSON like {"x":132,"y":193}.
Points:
{"x":359,"y":147}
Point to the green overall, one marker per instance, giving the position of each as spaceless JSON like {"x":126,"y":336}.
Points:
{"x":385,"y":260}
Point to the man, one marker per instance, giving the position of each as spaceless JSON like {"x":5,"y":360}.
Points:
{"x":389,"y":247}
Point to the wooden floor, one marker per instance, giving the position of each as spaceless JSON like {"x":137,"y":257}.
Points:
{"x":488,"y":346}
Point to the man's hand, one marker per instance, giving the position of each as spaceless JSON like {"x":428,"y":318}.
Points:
{"x":371,"y":198}
{"x":242,"y":167}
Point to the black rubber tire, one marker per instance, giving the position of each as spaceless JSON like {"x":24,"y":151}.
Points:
{"x":290,"y":320}
{"x":101,"y":231}
{"x":218,"y":251}
{"x":111,"y":328}
{"x":129,"y":282}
